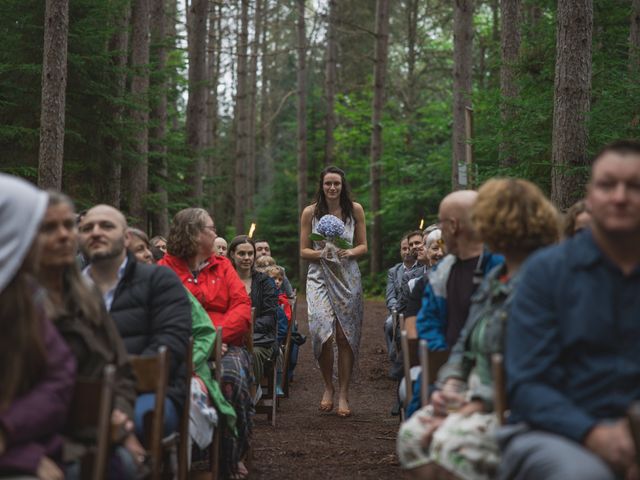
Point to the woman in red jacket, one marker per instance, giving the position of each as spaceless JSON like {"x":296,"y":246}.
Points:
{"x":215,"y":283}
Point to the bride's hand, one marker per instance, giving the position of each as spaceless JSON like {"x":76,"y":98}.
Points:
{"x":346,"y":253}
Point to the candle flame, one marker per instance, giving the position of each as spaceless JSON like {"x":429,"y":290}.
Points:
{"x":421,"y":224}
{"x":252,"y":229}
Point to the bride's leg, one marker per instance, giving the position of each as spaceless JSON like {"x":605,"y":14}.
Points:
{"x":345,"y":367}
{"x":326,"y":367}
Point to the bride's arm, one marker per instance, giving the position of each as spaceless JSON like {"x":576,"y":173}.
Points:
{"x":359,"y":236}
{"x":306,"y":248}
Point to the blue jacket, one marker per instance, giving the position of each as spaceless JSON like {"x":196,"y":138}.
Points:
{"x":573,"y":340}
{"x":432,"y":318}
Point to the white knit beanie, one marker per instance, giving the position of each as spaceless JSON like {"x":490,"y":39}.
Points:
{"x":22,"y":207}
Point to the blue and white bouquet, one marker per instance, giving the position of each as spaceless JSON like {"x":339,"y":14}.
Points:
{"x":330,"y":229}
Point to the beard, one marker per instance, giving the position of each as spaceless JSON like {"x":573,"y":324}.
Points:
{"x":97,"y":256}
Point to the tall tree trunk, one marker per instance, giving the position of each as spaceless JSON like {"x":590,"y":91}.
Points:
{"x":411,"y":93}
{"x":138,"y":173}
{"x":265,"y":163}
{"x":253,"y":93}
{"x":118,"y":50}
{"x":634,"y":37}
{"x":54,"y":84}
{"x":572,"y":95}
{"x":213,"y":74}
{"x":462,"y":66}
{"x":196,"y":123}
{"x":302,"y":119}
{"x":510,"y":48}
{"x":330,"y":84}
{"x":158,"y":118}
{"x":242,"y":112}
{"x":379,"y":75}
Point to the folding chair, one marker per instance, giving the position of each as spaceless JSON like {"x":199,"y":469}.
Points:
{"x":152,"y":373}
{"x":90,"y":413}
{"x":269,"y":401}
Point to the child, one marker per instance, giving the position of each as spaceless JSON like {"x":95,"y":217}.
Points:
{"x":275,"y":272}
{"x":263,"y":263}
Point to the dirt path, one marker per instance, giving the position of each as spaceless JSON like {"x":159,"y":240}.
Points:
{"x":308,"y":444}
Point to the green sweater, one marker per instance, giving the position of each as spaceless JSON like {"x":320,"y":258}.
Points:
{"x":204,"y":339}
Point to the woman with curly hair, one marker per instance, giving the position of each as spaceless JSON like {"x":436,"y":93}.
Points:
{"x":514,"y":218}
{"x":213,"y":281}
{"x":334,"y":288}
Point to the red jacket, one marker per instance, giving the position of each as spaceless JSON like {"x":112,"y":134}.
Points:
{"x":220,"y":291}
{"x":283,"y":301}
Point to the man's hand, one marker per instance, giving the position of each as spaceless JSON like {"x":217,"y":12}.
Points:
{"x":119,"y":419}
{"x":48,"y":470}
{"x":613,"y":443}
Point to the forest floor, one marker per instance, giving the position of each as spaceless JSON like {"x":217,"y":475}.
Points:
{"x":309,"y":444}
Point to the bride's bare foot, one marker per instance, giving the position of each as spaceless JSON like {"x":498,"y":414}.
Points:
{"x":343,"y":408}
{"x":326,"y":404}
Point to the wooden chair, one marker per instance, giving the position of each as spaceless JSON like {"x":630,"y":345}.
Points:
{"x":152,"y":373}
{"x":215,"y":448}
{"x":181,"y":438}
{"x":90,"y":412}
{"x":394,"y":322}
{"x":499,"y":387}
{"x":269,"y":401}
{"x":430,"y":361}
{"x":287,"y":349}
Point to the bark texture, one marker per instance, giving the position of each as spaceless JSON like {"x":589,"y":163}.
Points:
{"x":139,"y":172}
{"x":242,"y":112}
{"x":510,"y":49}
{"x":462,"y":70}
{"x":375,"y":171}
{"x":330,"y":84}
{"x":302,"y":117}
{"x":158,"y":131}
{"x":54,"y":85}
{"x":572,"y":100}
{"x":196,"y":123}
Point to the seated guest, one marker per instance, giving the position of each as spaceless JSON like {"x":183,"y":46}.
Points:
{"x":263,"y":263}
{"x":512,"y":217}
{"x":147,"y":303}
{"x":394,"y":286}
{"x":215,"y":284}
{"x":139,"y":246}
{"x":453,"y":281}
{"x":263,"y":248}
{"x":220,"y":246}
{"x":37,"y":369}
{"x":264,"y":299}
{"x":572,"y":362}
{"x":576,"y":218}
{"x":160,"y":243}
{"x":81,"y":318}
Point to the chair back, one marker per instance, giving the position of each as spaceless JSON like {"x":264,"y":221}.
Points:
{"x":409,"y":347}
{"x":96,"y":421}
{"x":499,"y":387}
{"x":249,"y":335}
{"x":152,"y":373}
{"x":287,"y":349}
{"x":394,"y":323}
{"x":183,"y":430}
{"x":430,"y":364}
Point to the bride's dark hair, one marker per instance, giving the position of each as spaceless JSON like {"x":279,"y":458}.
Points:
{"x":346,"y":204}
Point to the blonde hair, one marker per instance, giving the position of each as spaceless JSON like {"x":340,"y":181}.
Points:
{"x":264,"y":262}
{"x":514,"y":215}
{"x":275,"y":271}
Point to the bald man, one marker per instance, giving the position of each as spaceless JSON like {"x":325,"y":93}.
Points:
{"x":452,"y":282}
{"x":147,"y":303}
